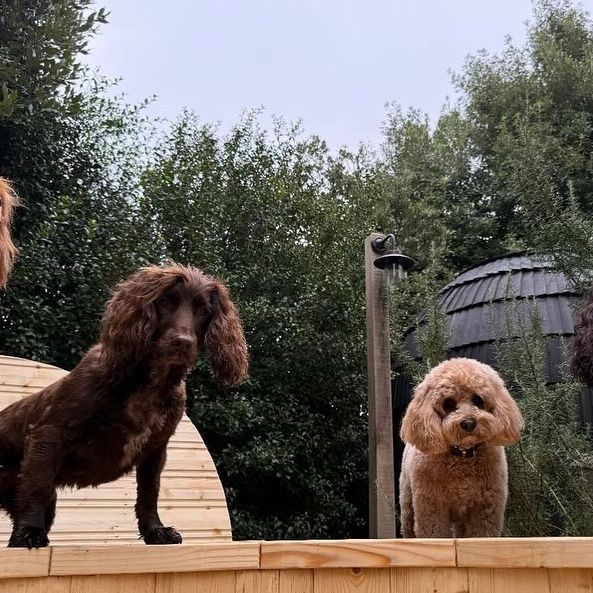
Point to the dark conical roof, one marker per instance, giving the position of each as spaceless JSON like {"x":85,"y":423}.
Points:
{"x":478,"y":312}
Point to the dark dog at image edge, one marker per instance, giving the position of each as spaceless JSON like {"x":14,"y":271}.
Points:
{"x":118,"y":408}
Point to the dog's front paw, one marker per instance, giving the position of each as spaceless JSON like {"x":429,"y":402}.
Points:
{"x":161,"y":535}
{"x":28,"y":536}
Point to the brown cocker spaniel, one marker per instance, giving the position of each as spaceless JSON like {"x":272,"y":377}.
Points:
{"x":118,"y":408}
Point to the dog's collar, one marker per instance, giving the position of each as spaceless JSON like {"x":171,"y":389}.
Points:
{"x":463,"y":453}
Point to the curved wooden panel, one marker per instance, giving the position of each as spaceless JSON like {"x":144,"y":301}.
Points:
{"x":192,"y":498}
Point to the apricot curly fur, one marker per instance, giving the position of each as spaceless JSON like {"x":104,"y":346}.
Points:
{"x":8,"y":251}
{"x":453,"y":481}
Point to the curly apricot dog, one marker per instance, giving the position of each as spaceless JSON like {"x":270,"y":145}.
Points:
{"x":453,"y":481}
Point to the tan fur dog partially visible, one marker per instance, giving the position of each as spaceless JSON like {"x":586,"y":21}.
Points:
{"x":453,"y":481}
{"x":8,"y":251}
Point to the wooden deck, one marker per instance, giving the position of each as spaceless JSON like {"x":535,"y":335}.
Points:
{"x":525,"y":565}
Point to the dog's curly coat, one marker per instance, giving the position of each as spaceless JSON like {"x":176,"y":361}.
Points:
{"x":118,"y":408}
{"x":582,"y":360}
{"x":453,"y":481}
{"x":8,"y":251}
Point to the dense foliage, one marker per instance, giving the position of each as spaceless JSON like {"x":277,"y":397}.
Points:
{"x":523,"y":148}
{"x":283,"y":223}
{"x":282,"y":219}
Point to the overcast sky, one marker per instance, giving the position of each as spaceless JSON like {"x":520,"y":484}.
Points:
{"x":334,"y":64}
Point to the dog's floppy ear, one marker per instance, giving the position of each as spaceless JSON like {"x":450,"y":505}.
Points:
{"x":421,"y":426}
{"x":8,"y":251}
{"x":507,"y":415}
{"x":130,"y":318}
{"x":224,"y":340}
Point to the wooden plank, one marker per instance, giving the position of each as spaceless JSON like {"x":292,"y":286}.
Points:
{"x":358,"y":553}
{"x":323,"y":580}
{"x":19,"y":562}
{"x":296,"y":581}
{"x":196,"y":582}
{"x":111,"y":525}
{"x":412,"y":580}
{"x":185,"y":428}
{"x":450,"y":580}
{"x":187,"y":441}
{"x":119,"y":583}
{"x":351,"y":580}
{"x":257,"y":581}
{"x":89,"y":518}
{"x":554,"y":552}
{"x":198,"y":457}
{"x":21,"y":375}
{"x":429,"y":580}
{"x":101,"y":499}
{"x":37,"y":382}
{"x":145,"y":559}
{"x":506,"y":580}
{"x":36,"y":585}
{"x":382,"y":506}
{"x":17,"y":371}
{"x":198,"y":483}
{"x":570,"y":580}
{"x":107,"y":537}
{"x":480,"y":580}
{"x":15,"y":360}
{"x":9,"y":394}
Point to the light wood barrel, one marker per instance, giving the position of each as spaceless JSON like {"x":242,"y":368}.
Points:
{"x":191,"y":499}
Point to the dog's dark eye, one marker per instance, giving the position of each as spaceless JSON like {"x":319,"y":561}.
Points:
{"x":165,"y":301}
{"x":478,"y":401}
{"x":198,"y":303}
{"x":449,"y":405}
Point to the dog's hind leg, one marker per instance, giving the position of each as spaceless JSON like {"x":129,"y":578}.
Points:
{"x":406,"y":507}
{"x":8,"y":481}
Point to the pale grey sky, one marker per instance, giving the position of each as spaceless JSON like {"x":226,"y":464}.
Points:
{"x":332,"y":63}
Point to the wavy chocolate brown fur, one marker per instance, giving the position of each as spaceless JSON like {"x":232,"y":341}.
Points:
{"x":582,"y":360}
{"x":8,"y":252}
{"x":118,"y":408}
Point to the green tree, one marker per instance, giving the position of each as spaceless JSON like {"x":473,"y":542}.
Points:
{"x":435,"y":195}
{"x":529,"y":112}
{"x":74,"y":156}
{"x":549,"y":494}
{"x":89,"y":237}
{"x":284,"y":223}
{"x":41,"y":43}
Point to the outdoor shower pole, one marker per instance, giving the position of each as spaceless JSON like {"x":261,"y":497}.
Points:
{"x":382,"y":507}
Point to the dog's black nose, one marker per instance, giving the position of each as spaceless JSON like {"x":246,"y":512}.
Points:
{"x":468,"y":424}
{"x":182,"y":343}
